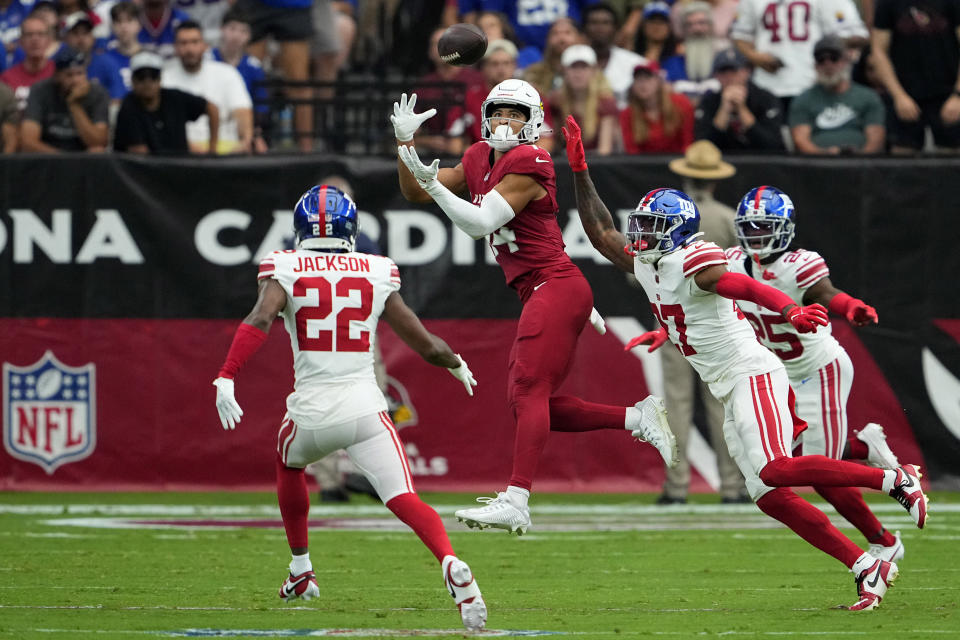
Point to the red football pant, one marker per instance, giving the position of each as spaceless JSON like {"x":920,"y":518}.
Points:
{"x":819,"y":471}
{"x":848,"y":501}
{"x":552,"y":319}
{"x":809,"y":523}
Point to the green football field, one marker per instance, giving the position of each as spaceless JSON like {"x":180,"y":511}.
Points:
{"x":171,"y":565}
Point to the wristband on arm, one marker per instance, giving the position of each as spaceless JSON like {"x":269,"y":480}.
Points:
{"x":738,"y":286}
{"x":245,"y":343}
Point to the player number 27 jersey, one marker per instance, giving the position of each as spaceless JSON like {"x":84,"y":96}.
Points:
{"x":334,"y":301}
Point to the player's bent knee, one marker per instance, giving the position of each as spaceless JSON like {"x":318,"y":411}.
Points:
{"x":771,"y":473}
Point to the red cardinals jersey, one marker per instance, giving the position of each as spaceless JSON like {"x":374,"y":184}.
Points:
{"x":529,"y":248}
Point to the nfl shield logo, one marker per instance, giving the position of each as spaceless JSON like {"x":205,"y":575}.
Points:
{"x":49,"y":412}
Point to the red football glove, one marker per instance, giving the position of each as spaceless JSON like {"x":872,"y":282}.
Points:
{"x":807,"y":319}
{"x":654,"y":338}
{"x":857,"y":312}
{"x":575,"y":154}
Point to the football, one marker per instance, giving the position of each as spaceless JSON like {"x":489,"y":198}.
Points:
{"x":462,"y":44}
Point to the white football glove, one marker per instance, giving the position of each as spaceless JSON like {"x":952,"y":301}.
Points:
{"x":426,"y":175}
{"x":597,"y":321}
{"x":463,"y":374}
{"x":405,"y":121}
{"x":227,"y":406}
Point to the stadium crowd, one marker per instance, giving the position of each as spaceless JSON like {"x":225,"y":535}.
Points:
{"x":642,"y":76}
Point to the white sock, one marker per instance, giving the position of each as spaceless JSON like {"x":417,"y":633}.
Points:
{"x":889,"y":477}
{"x":518,"y":496}
{"x":864,"y":562}
{"x":632,"y":418}
{"x":300,"y":564}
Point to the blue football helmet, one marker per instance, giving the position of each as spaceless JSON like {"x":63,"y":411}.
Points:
{"x":664,"y":221}
{"x":765,"y":221}
{"x":325,"y":218}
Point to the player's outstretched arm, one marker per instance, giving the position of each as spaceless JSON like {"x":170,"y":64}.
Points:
{"x":594,"y":215}
{"x":856,"y":311}
{"x":405,"y":124}
{"x":249,"y":337}
{"x":738,"y":286}
{"x":431,"y":347}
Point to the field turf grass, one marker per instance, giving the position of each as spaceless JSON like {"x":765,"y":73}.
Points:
{"x":593,"y":566}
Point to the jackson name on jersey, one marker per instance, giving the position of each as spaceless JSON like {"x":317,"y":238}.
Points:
{"x":793,"y":273}
{"x":334,"y":301}
{"x":707,"y":328}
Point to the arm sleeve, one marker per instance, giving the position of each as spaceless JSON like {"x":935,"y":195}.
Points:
{"x":875,"y":112}
{"x":765,"y":132}
{"x":737,"y":286}
{"x":744,"y":26}
{"x":394,"y":277}
{"x":195,"y":106}
{"x":34,"y":110}
{"x":268,"y":266}
{"x":800,"y":111}
{"x":493,"y":212}
{"x":127,"y":132}
{"x":99,"y":106}
{"x":812,"y":270}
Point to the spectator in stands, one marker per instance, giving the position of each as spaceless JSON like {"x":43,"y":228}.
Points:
{"x":234,"y":37}
{"x":656,"y":120}
{"x":290,"y":23}
{"x":740,"y":116}
{"x":547,"y":74}
{"x":66,"y":112}
{"x":332,"y":25}
{"x":125,"y":24}
{"x":600,"y":29}
{"x":12,"y":13}
{"x":916,"y":57}
{"x":722,"y":13}
{"x":9,"y":120}
{"x":531,"y":21}
{"x":768,"y":34}
{"x":219,"y":83}
{"x":630,"y":15}
{"x":656,"y":40}
{"x":46,"y":11}
{"x":835,"y":115}
{"x":586,"y":96}
{"x":496,"y":26}
{"x":208,"y":13}
{"x":78,"y":35}
{"x":432,"y":134}
{"x":35,"y":37}
{"x":159,"y":22}
{"x":66,"y":8}
{"x":692,"y":73}
{"x":153,"y":119}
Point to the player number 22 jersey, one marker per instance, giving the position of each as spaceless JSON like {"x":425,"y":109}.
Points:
{"x":334,"y":301}
{"x":793,"y":273}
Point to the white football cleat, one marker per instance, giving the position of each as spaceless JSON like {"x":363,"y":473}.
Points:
{"x":650,"y":424}
{"x":878,"y":452}
{"x":498,"y":513}
{"x":872,"y":584}
{"x":892,"y":553}
{"x":303,"y":586}
{"x":463,"y":588}
{"x":908,"y":492}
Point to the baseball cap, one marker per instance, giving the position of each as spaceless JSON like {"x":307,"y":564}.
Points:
{"x":578,"y":53}
{"x":145,"y":60}
{"x":729,"y":60}
{"x":75,"y":18}
{"x":648,"y":65}
{"x":656,"y":9}
{"x":66,"y":58}
{"x":501,"y":45}
{"x":831,"y":43}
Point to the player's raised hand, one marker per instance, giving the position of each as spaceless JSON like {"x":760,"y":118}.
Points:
{"x":655,"y":339}
{"x":464,"y":375}
{"x":575,"y":154}
{"x":859,"y":313}
{"x":405,"y":121}
{"x":424,"y":174}
{"x":227,"y":406}
{"x":807,"y":319}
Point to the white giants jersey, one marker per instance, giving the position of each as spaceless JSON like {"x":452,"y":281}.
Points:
{"x":788,"y":29}
{"x":334,"y":301}
{"x":707,"y":328}
{"x":793,"y":273}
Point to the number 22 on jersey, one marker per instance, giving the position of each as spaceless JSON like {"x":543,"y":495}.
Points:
{"x":325,"y":339}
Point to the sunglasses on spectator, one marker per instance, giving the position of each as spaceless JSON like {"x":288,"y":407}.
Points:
{"x":829,"y":56}
{"x":146,"y":74}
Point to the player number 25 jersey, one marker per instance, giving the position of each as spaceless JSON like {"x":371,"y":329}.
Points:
{"x":794,"y":272}
{"x":334,"y":301}
{"x":707,"y":328}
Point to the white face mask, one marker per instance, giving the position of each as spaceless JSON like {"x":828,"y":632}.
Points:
{"x":503,"y":138}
